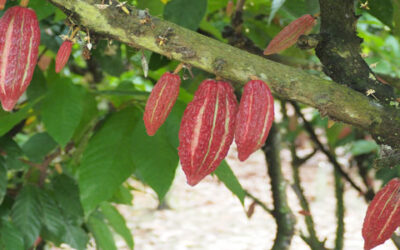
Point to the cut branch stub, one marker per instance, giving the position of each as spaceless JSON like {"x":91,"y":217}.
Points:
{"x":289,"y":35}
{"x":254,"y":118}
{"x":207,"y":129}
{"x":383,"y":215}
{"x":161,"y":101}
{"x":19,"y":48}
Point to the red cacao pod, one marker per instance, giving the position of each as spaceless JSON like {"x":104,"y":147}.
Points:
{"x":2,"y":4}
{"x":254,"y":118}
{"x":383,"y":215}
{"x":161,"y":100}
{"x":63,"y":55}
{"x":19,"y":47}
{"x":207,"y":129}
{"x":290,"y":34}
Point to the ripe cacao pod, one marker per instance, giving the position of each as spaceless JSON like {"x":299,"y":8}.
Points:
{"x":290,"y":34}
{"x":2,"y":4}
{"x":19,"y":47}
{"x":63,"y":55}
{"x":207,"y":129}
{"x":161,"y":100}
{"x":254,"y":118}
{"x":383,"y":215}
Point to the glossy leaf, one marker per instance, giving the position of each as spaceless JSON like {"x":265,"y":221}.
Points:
{"x":107,"y":161}
{"x":26,"y":214}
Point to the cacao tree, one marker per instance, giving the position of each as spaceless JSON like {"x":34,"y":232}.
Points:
{"x":97,"y":92}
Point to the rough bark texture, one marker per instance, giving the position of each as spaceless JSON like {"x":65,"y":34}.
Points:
{"x":337,"y":101}
{"x":339,"y":50}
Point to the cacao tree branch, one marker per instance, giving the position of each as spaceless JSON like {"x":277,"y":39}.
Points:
{"x":282,"y":213}
{"x":337,"y":101}
{"x":339,"y":50}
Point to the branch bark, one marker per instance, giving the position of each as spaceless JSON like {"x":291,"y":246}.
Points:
{"x":332,"y":99}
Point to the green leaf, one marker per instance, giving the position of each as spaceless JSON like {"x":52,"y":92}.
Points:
{"x":37,"y":87}
{"x":156,"y":159}
{"x":66,"y":193}
{"x":51,"y":216}
{"x":26,"y":213}
{"x":117,"y":222}
{"x":59,"y":228}
{"x":101,"y":232}
{"x":10,"y":237}
{"x":38,"y":146}
{"x":109,"y":58}
{"x":9,"y":120}
{"x":107,"y":161}
{"x":276,"y":5}
{"x":90,"y":114}
{"x":186,"y":13}
{"x":3,"y":181}
{"x":383,"y":10}
{"x":122,"y":196}
{"x":363,"y":147}
{"x":396,"y":17}
{"x":155,"y":7}
{"x":42,"y":8}
{"x":225,"y":174}
{"x":13,"y":153}
{"x":62,"y":110}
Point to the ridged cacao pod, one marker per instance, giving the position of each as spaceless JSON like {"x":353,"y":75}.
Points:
{"x":63,"y":55}
{"x":19,"y":47}
{"x":161,"y":100}
{"x":254,"y":118}
{"x":383,"y":215}
{"x":207,"y":129}
{"x":290,"y":34}
{"x":2,"y":4}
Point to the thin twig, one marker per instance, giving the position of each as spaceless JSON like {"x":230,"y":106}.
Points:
{"x":321,"y":147}
{"x":259,"y":202}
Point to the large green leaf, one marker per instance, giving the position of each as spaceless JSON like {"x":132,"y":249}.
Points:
{"x":117,"y":222}
{"x":383,"y":10}
{"x":10,"y":237}
{"x":186,"y":13}
{"x":101,"y":233}
{"x":122,"y":196}
{"x":58,"y":227}
{"x":155,"y":158}
{"x":66,"y":193}
{"x":38,"y":146}
{"x":225,"y":174}
{"x":62,"y":110}
{"x":155,"y":7}
{"x":3,"y":181}
{"x":42,"y":8}
{"x":107,"y":161}
{"x":26,"y":214}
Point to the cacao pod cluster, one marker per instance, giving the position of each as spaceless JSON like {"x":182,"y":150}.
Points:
{"x":211,"y":121}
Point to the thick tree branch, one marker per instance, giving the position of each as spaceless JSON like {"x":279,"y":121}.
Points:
{"x":339,"y":102}
{"x":339,"y":50}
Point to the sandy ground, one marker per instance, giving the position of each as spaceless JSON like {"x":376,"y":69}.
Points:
{"x":208,"y":216}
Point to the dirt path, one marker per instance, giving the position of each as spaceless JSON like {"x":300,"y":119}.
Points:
{"x":208,"y":216}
